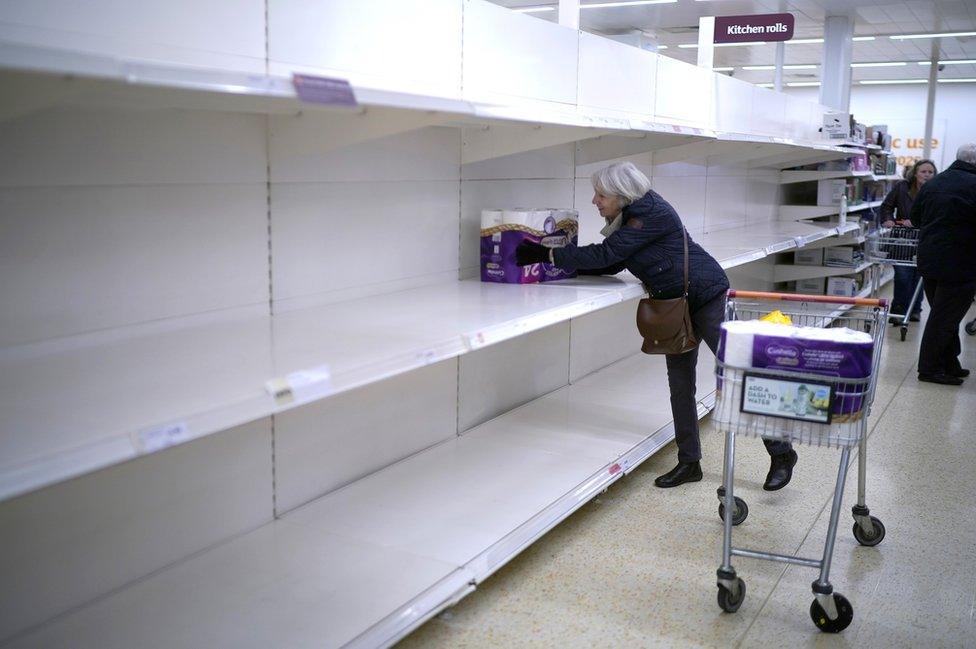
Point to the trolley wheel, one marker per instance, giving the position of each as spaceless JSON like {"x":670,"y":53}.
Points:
{"x":726,"y":601}
{"x":870,"y":537}
{"x":845,"y":613}
{"x":904,"y":332}
{"x":971,"y":328}
{"x":740,"y":513}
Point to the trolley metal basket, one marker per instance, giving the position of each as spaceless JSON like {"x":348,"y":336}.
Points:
{"x":894,"y":247}
{"x":840,"y":421}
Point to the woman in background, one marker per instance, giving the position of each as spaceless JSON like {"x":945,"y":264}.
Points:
{"x":895,"y":209}
{"x":644,"y":235}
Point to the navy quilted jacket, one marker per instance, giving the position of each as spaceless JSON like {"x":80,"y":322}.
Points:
{"x":649,"y":245}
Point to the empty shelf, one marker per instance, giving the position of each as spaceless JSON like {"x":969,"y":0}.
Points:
{"x":368,"y":563}
{"x":137,"y":390}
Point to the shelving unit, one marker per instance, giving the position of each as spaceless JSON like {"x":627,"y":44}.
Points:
{"x":464,"y":457}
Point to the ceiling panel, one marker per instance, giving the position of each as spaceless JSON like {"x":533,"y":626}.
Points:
{"x":674,"y":24}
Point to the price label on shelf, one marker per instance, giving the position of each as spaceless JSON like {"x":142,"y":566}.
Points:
{"x":300,"y":385}
{"x":324,"y":90}
{"x":159,"y":437}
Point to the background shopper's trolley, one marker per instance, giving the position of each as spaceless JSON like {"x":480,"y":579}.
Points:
{"x":894,"y":247}
{"x":763,"y":399}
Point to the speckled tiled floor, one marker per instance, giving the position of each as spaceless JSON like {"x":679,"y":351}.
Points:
{"x":636,"y":567}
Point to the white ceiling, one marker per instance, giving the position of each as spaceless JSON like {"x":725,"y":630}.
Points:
{"x":674,"y":24}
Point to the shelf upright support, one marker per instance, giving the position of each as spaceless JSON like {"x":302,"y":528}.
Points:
{"x":835,"y":65}
{"x":706,"y":42}
{"x":569,"y":11}
{"x":778,"y":74}
{"x":930,"y":106}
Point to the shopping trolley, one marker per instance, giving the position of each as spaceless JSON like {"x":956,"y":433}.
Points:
{"x":895,"y":247}
{"x":837,"y":417}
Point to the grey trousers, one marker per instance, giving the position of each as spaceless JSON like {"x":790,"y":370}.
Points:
{"x":681,"y":380}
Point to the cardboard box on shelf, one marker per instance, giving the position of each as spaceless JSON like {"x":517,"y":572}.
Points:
{"x":812,"y":257}
{"x":811,"y":286}
{"x":830,"y":191}
{"x":836,"y":126}
{"x":842,"y":286}
{"x":840,"y":255}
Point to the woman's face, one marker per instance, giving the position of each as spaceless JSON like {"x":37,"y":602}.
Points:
{"x":609,"y":206}
{"x":924,"y":173}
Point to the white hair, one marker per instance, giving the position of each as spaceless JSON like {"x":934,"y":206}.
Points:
{"x":967,"y":153}
{"x":621,"y":179}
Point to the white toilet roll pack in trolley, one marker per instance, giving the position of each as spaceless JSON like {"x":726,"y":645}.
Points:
{"x":841,"y":354}
{"x":503,"y":230}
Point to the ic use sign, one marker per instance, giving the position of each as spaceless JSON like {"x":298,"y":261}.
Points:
{"x":757,"y":27}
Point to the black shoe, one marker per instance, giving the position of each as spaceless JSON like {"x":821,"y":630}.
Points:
{"x":942,"y":379}
{"x":961,"y":373}
{"x":915,"y":317}
{"x":780,"y":470}
{"x":684,"y":472}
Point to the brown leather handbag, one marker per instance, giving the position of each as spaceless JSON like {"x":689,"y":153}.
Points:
{"x":666,"y":324}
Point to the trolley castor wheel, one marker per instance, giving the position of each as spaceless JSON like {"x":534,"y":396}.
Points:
{"x":740,"y":513}
{"x":870,"y":537}
{"x":729,"y":601}
{"x":845,"y":613}
{"x":904,"y":332}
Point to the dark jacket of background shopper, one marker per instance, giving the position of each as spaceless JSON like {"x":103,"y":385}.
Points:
{"x":895,"y":211}
{"x":945,"y":212}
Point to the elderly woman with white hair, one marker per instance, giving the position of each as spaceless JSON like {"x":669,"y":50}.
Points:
{"x":644,"y":235}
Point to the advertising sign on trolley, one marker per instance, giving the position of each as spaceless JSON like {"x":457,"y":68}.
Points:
{"x":787,"y":398}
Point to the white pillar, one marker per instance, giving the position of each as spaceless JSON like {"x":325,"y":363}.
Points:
{"x":778,"y":75}
{"x":706,"y":42}
{"x":930,"y":106}
{"x":569,"y":13}
{"x":835,"y":66}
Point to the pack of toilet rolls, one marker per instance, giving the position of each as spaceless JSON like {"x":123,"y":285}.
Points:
{"x":831,"y":352}
{"x":503,"y":230}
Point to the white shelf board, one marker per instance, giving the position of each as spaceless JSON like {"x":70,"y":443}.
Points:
{"x":790,"y":176}
{"x":738,"y":246}
{"x":124,"y":393}
{"x":801,"y":212}
{"x":366,"y":564}
{"x":793,"y":272}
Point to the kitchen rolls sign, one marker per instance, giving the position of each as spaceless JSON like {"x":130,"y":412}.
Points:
{"x":758,"y":27}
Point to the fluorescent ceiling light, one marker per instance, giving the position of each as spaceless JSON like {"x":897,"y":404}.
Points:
{"x":728,"y":69}
{"x":691,"y":46}
{"x":901,"y":37}
{"x":805,"y":66}
{"x":967,"y":80}
{"x":534,"y":10}
{"x":959,"y":62}
{"x":803,"y":84}
{"x":882,"y":64}
{"x":662,"y":47}
{"x":863,"y":38}
{"x":890,"y":82}
{"x":766,"y":85}
{"x":625,"y":3}
{"x":800,"y":41}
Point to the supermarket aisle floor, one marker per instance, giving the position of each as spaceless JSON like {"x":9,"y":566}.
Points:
{"x":636,"y":566}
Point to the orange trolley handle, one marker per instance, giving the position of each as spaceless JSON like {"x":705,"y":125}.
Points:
{"x":799,"y":297}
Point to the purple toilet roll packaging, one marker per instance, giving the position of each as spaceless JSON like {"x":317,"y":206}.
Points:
{"x":503,"y":230}
{"x":831,"y":352}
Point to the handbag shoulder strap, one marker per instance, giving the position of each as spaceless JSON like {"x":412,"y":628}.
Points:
{"x":684,"y":235}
